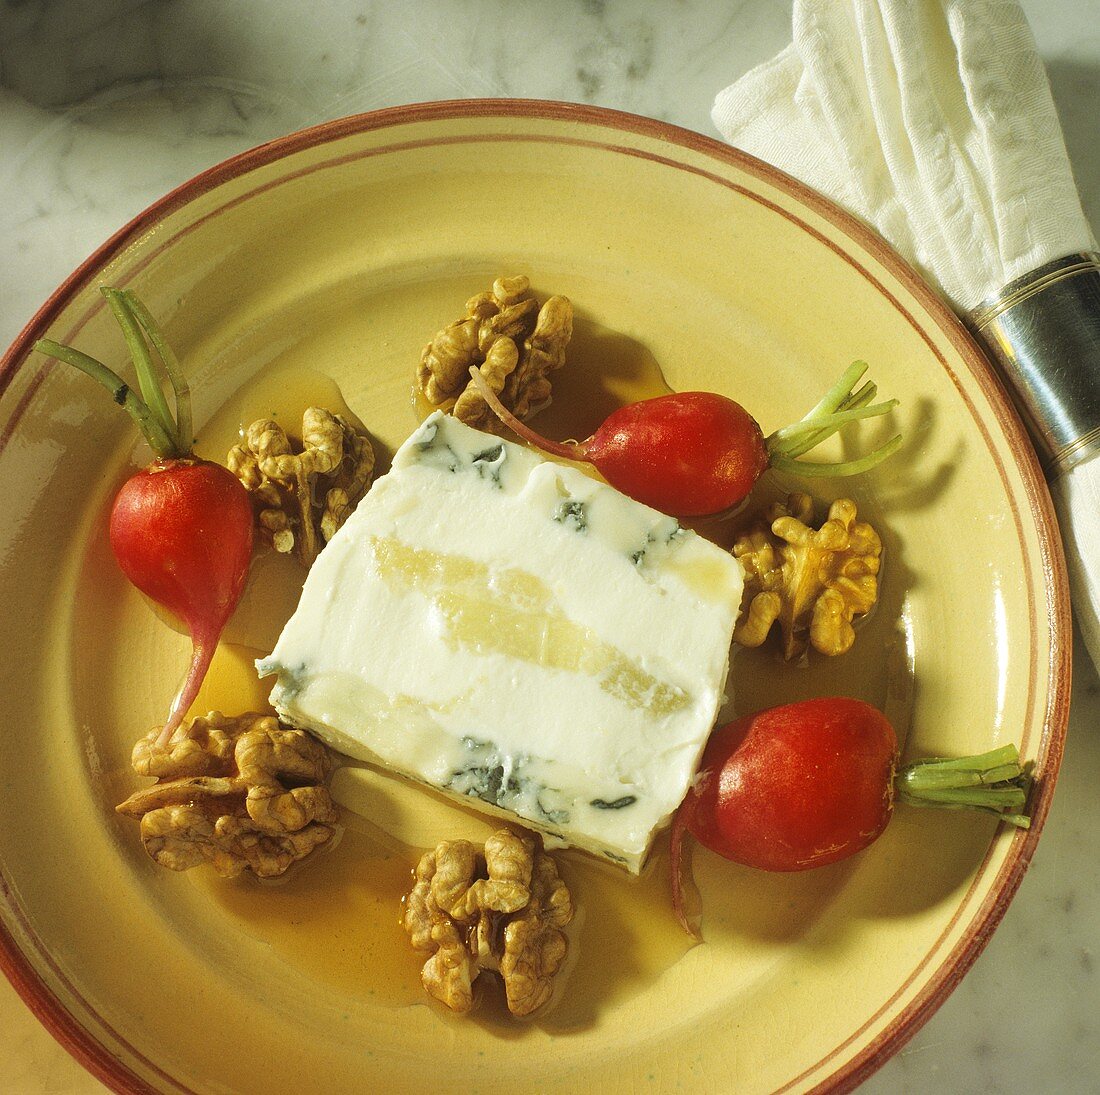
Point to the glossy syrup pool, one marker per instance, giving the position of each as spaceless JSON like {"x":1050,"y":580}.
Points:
{"x":336,"y":917}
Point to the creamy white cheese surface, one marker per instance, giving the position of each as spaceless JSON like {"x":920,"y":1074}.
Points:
{"x":509,"y":630}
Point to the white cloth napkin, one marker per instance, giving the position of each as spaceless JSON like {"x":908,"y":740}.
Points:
{"x":933,"y":121}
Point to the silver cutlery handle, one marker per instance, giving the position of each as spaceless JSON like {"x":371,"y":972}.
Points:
{"x":1043,"y":330}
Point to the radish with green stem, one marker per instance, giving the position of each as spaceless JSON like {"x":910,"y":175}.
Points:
{"x":181,"y":529}
{"x":813,"y":782}
{"x":691,"y":454}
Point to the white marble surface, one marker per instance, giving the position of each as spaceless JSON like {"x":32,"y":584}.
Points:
{"x":106,"y":104}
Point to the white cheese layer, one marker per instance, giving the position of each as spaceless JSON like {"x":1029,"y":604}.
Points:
{"x":509,"y":630}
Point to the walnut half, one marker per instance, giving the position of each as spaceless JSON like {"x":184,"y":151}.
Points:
{"x":515,"y":343}
{"x":814,"y":582}
{"x":241,"y":793}
{"x":499,"y":908}
{"x":303,"y":488}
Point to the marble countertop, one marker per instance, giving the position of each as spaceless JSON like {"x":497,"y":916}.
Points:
{"x":106,"y":105}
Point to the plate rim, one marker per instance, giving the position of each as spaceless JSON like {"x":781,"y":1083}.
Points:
{"x":94,"y":1055}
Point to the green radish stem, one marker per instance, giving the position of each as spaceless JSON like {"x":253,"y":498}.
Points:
{"x":839,"y":406}
{"x":827,"y":424}
{"x":995,"y":782}
{"x":169,"y":437}
{"x":859,"y":398}
{"x":181,"y":389}
{"x":841,"y":390}
{"x":152,"y":391}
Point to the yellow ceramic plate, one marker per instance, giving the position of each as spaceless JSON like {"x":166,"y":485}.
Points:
{"x":332,"y":256}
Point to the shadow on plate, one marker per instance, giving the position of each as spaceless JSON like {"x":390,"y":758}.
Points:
{"x":605,"y":370}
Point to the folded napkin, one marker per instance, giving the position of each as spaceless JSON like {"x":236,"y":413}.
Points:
{"x":934,"y":123}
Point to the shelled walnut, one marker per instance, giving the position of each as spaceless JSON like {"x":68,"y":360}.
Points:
{"x":501,"y":908}
{"x":303,"y":489}
{"x":241,"y":793}
{"x":516,"y":344}
{"x":814,"y":582}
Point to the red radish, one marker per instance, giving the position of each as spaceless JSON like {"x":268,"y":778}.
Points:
{"x":696,"y":453}
{"x":181,"y":530}
{"x":810,"y":783}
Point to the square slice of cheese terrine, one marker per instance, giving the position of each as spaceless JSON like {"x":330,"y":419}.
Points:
{"x":510,"y":630}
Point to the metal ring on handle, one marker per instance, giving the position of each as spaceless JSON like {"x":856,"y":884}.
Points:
{"x":1043,"y":329}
